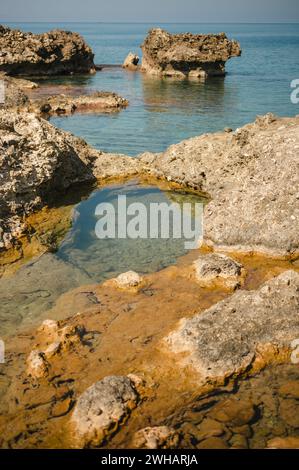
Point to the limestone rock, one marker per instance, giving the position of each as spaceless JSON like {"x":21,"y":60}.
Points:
{"x":100,"y":101}
{"x":39,"y":163}
{"x":197,"y":55}
{"x":131,"y":61}
{"x":248,"y":329}
{"x":52,"y":53}
{"x":37,"y":365}
{"x":215,"y":267}
{"x":158,"y":437}
{"x":102,"y":408}
{"x":128,"y":280}
{"x":251,"y":176}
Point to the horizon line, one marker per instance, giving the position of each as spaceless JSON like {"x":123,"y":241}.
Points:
{"x":149,"y":22}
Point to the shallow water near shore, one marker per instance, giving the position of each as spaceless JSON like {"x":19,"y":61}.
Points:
{"x":82,"y":258}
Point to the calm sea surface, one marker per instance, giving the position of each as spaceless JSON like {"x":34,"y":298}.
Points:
{"x":163,"y":112}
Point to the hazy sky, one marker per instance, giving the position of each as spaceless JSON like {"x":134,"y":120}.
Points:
{"x":150,"y":10}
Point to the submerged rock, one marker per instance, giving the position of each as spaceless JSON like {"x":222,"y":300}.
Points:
{"x":252,"y":178}
{"x":52,"y":53}
{"x":102,"y":408}
{"x":131,"y":61}
{"x":182,"y":55}
{"x":283,"y":443}
{"x":214,"y":267}
{"x":100,"y":101}
{"x":159,"y":437}
{"x":248,"y":330}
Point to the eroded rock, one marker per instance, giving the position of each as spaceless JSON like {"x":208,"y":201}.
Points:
{"x":251,"y":176}
{"x":102,"y":408}
{"x":39,"y":163}
{"x":99,"y":101}
{"x":182,"y":55}
{"x":37,"y":365}
{"x":52,"y":53}
{"x":131,"y":61}
{"x":128,"y":280}
{"x":217,"y":268}
{"x":247,"y":330}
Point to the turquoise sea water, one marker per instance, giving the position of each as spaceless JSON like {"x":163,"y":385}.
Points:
{"x":163,"y":112}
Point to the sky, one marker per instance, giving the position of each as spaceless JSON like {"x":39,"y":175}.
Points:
{"x":171,"y":11}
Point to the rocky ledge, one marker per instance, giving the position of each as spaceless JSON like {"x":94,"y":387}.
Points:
{"x":251,"y":176}
{"x":53,"y":53}
{"x":18,"y":96}
{"x":181,"y":55}
{"x":240,"y":334}
{"x":39,"y":163}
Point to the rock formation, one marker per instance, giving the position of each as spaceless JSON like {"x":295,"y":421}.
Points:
{"x":252,"y":178}
{"x":53,"y":53}
{"x":131,"y":61}
{"x":216,"y":268}
{"x":248,"y":328}
{"x":99,"y":101}
{"x":101,"y":408}
{"x":181,"y":55}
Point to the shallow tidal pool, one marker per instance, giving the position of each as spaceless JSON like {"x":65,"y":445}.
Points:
{"x":82,"y":258}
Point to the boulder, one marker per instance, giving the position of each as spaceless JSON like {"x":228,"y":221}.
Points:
{"x":131,"y":61}
{"x":101,"y":409}
{"x":37,"y":365}
{"x":128,"y":280}
{"x":183,"y":55}
{"x":245,"y":331}
{"x":213,"y":268}
{"x":251,"y":177}
{"x":53,"y":53}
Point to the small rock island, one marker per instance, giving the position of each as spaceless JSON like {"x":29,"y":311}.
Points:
{"x":54,"y":53}
{"x":187,"y":55}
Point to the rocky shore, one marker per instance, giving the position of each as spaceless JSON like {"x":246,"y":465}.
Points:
{"x":187,"y":55}
{"x":250,"y":175}
{"x":197,"y":355}
{"x":54,"y":53}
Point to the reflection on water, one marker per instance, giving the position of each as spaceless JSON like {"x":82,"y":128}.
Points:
{"x":83,"y":259}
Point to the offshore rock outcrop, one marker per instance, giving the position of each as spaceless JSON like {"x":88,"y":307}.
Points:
{"x":39,"y":163}
{"x":16,"y":97}
{"x":53,"y":53}
{"x":99,"y":101}
{"x":252,"y":177}
{"x":181,"y":55}
{"x":246,"y":331}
